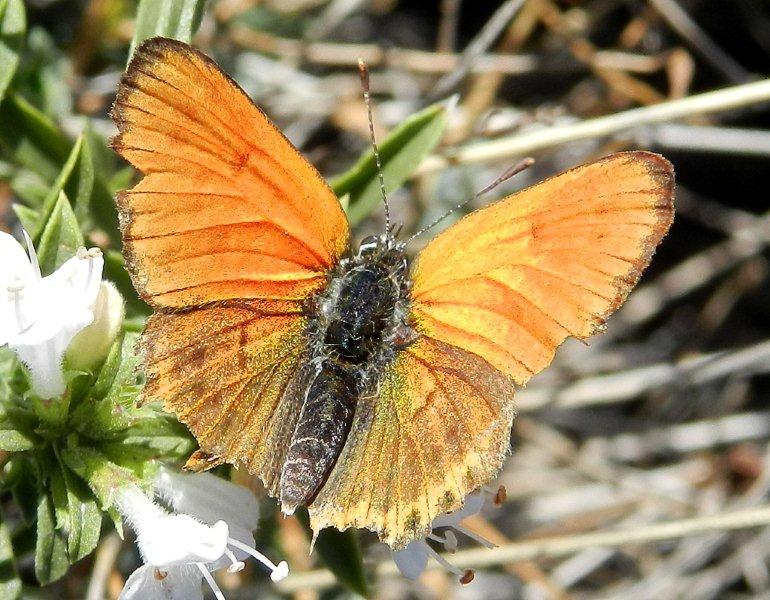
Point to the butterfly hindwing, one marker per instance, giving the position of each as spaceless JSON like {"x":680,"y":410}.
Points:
{"x":438,"y":429}
{"x":227,"y":372}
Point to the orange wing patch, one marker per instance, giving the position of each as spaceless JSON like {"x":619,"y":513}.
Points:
{"x":511,"y":281}
{"x":228,"y":208}
{"x":227,"y":373}
{"x":438,"y":429}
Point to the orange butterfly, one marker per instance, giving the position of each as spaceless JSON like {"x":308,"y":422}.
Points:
{"x":375,"y":394}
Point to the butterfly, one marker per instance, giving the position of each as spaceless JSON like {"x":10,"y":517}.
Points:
{"x":376,"y":392}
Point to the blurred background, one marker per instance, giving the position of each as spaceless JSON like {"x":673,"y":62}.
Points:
{"x":663,"y":418}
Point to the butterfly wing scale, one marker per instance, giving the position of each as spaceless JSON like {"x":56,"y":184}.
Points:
{"x":227,"y":234}
{"x":492,"y":298}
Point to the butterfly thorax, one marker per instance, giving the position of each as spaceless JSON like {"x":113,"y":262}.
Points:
{"x":355,"y":327}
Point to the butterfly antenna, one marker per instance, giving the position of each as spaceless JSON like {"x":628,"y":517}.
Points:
{"x":363,"y":72}
{"x":505,"y":176}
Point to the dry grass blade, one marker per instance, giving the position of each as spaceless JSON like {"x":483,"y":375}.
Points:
{"x":562,"y":546}
{"x":748,"y":94}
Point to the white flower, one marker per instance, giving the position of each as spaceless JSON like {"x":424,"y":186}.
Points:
{"x":91,"y":346}
{"x":39,"y":316}
{"x":412,"y":560}
{"x":211,"y":528}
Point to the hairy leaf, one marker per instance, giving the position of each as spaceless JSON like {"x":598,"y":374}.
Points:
{"x":13,"y":26}
{"x":178,"y":19}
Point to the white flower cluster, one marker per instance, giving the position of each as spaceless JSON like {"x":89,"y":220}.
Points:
{"x":209,"y":527}
{"x":40,"y":316}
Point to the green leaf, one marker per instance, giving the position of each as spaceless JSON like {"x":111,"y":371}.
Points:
{"x":110,"y":406}
{"x":9,"y":365}
{"x":49,"y":204}
{"x":110,"y":368}
{"x":12,"y":440}
{"x":84,"y":519}
{"x":28,"y":217}
{"x":31,"y":139}
{"x":150,"y":439}
{"x":103,"y":157}
{"x":121,"y":179}
{"x":102,"y":475}
{"x":13,"y":25}
{"x":51,"y":560}
{"x":100,"y":207}
{"x":10,"y":584}
{"x":56,"y":487}
{"x":81,"y":188}
{"x":29,"y":187}
{"x":52,"y":412}
{"x":60,"y":238}
{"x":401,"y":153}
{"x":178,"y":19}
{"x":24,"y":485}
{"x":77,"y":514}
{"x":16,"y":425}
{"x":78,"y":180}
{"x":341,"y":553}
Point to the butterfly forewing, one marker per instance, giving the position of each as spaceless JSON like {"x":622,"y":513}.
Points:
{"x":511,"y":281}
{"x":228,"y":208}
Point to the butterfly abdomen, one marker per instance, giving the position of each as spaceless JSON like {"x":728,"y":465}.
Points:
{"x":319,"y":436}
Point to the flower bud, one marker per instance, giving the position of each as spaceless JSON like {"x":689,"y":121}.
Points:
{"x":92,"y":344}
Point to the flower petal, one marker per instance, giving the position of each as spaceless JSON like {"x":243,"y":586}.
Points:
{"x":473,"y":504}
{"x":180,"y":539}
{"x":412,"y":560}
{"x":92,"y":344}
{"x":50,"y":312}
{"x":176,"y":583}
{"x":167,"y":539}
{"x":41,"y":348}
{"x":32,"y":255}
{"x":16,"y":274}
{"x":209,"y":499}
{"x":14,"y":261}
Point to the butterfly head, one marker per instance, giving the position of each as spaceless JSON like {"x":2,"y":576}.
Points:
{"x":385,"y":250}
